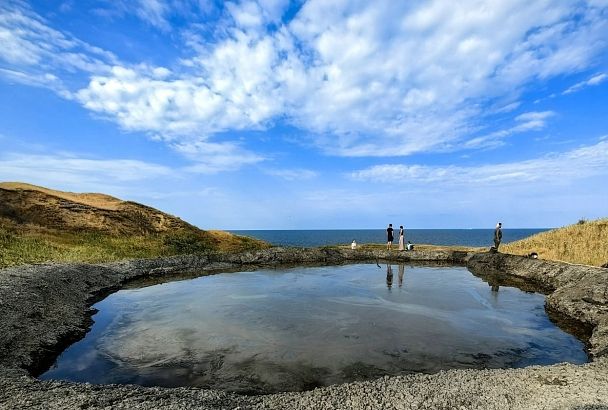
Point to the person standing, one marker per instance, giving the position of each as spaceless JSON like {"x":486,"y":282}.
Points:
{"x":401,"y":238}
{"x":497,"y":235}
{"x":389,"y":237}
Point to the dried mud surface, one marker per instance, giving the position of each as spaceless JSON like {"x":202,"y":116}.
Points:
{"x":44,"y":308}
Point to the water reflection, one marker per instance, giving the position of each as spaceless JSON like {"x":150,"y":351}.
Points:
{"x":401,"y":273}
{"x":295,"y":329}
{"x":389,"y":276}
{"x":494,"y":284}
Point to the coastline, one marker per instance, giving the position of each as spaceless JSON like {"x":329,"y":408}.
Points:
{"x":44,"y":308}
{"x":476,"y":237}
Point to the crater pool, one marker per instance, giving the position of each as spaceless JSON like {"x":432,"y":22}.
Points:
{"x":293,"y":329}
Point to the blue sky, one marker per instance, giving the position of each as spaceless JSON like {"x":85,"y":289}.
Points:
{"x":271,"y":114}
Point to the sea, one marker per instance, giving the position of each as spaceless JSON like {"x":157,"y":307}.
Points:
{"x":449,"y":237}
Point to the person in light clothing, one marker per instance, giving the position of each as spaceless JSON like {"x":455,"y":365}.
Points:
{"x":353,"y":245}
{"x":401,"y":238}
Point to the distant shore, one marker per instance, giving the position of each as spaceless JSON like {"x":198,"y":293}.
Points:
{"x":438,"y":237}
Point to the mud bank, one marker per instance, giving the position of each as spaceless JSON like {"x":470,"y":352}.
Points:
{"x":578,"y":292}
{"x":44,"y":308}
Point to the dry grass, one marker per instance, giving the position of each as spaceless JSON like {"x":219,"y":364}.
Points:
{"x":38,"y":225}
{"x":228,"y":242}
{"x":33,"y":244}
{"x":585,"y":242}
{"x":101,"y":201}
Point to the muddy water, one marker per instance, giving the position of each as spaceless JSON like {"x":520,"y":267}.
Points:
{"x":299,"y":328}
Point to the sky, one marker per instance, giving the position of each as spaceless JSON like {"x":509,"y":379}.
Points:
{"x":317,"y":114}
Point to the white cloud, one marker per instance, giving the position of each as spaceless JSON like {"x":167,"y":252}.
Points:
{"x":73,"y":170}
{"x":595,"y":80}
{"x":363,"y":78}
{"x":368,"y":79}
{"x":46,"y":80}
{"x":598,"y":79}
{"x":153,"y":12}
{"x":29,"y":40}
{"x":247,"y":14}
{"x":211,"y":158}
{"x":561,"y":168}
{"x":36,"y":54}
{"x":534,"y":120}
{"x":298,"y":174}
{"x":528,"y":121}
{"x":508,"y":107}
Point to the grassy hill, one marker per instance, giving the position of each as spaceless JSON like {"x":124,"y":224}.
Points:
{"x":585,"y":242}
{"x":39,"y":225}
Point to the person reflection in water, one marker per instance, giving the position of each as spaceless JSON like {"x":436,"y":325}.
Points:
{"x":389,"y":275}
{"x":401,"y":272}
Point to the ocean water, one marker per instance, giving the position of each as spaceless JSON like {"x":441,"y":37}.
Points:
{"x":309,"y":238}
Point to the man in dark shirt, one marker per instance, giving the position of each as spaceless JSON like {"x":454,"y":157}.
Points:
{"x":497,"y":235}
{"x":389,"y":237}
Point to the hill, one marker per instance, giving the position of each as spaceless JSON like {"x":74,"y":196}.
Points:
{"x":38,"y":224}
{"x":585,"y":242}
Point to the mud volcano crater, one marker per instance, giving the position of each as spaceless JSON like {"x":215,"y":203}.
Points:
{"x":45,"y":307}
{"x":296,"y":328}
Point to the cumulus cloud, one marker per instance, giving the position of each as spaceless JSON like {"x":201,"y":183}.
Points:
{"x":361,"y":78}
{"x":366,"y":78}
{"x":561,"y":168}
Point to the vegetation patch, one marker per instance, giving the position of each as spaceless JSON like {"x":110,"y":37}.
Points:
{"x":39,"y":225}
{"x":20,"y":244}
{"x":584,"y":242}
